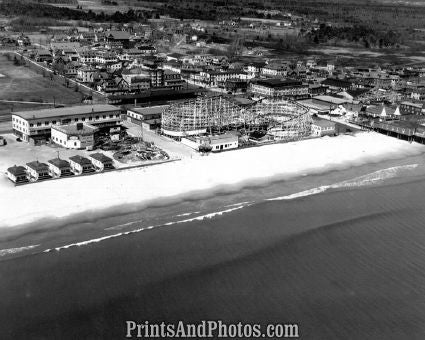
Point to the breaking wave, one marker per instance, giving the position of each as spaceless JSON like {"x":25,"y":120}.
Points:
{"x":10,"y":251}
{"x":188,"y":213}
{"x":369,"y":179}
{"x":100,"y":239}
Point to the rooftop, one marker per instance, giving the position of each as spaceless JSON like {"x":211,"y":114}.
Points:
{"x":330,"y":99}
{"x":80,"y":129}
{"x":223,"y":138}
{"x":38,"y":166}
{"x":119,"y":35}
{"x":151,"y":110}
{"x":323,"y":123}
{"x":279,"y":82}
{"x":60,"y":163}
{"x":17,"y":170}
{"x":80,"y":160}
{"x":65,"y":111}
{"x":101,"y":157}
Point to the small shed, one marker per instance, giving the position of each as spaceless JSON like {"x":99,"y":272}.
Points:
{"x":38,"y":170}
{"x":101,"y":162}
{"x":17,"y":174}
{"x":80,"y":164}
{"x":60,"y":167}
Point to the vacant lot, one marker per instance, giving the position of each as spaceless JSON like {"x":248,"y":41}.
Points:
{"x":20,"y":83}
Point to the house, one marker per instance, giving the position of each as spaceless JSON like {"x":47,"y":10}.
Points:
{"x":131,"y":54}
{"x":113,"y":66}
{"x":116,"y":85}
{"x":274,"y":70}
{"x":323,"y":127}
{"x":17,"y":174}
{"x":23,"y":40}
{"x":418,"y":94}
{"x":87,"y":57}
{"x":59,"y":167}
{"x":80,"y":164}
{"x":106,"y":57}
{"x":74,"y":136}
{"x":71,"y":69}
{"x":101,"y":162}
{"x":38,"y":170}
{"x":381,"y":111}
{"x":43,"y":56}
{"x":146,"y":49}
{"x":70,"y":54}
{"x":86,"y":74}
{"x":156,"y":76}
{"x":411,"y":108}
{"x":173,"y":66}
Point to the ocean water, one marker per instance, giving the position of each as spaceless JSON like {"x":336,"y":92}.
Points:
{"x":342,"y":254}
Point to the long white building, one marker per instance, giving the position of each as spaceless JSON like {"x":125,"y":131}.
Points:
{"x":37,"y":124}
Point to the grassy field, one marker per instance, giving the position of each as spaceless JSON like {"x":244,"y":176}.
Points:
{"x":20,"y":83}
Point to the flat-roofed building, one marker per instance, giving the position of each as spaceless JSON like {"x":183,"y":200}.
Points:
{"x":74,"y":136}
{"x":323,"y":127}
{"x":279,"y":88}
{"x":37,"y":124}
{"x":59,"y":167}
{"x":17,"y":174}
{"x":148,"y":117}
{"x":223,"y":142}
{"x":80,"y":164}
{"x":214,"y":143}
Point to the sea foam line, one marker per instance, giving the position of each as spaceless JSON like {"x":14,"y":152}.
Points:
{"x":9,"y":251}
{"x":238,"y":204}
{"x":100,"y":239}
{"x":188,"y":213}
{"x":368,"y":179}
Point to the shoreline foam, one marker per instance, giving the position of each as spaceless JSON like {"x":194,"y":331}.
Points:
{"x":59,"y":199}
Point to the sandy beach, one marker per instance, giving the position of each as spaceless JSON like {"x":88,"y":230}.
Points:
{"x":62,"y":198}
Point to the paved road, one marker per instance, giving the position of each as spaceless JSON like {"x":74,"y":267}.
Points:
{"x":173,"y":148}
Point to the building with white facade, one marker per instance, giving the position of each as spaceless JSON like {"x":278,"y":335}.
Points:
{"x":37,"y":124}
{"x":74,"y":136}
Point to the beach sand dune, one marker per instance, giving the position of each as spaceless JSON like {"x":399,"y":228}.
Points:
{"x":62,"y":198}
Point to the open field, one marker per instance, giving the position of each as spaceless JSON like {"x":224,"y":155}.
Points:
{"x":20,"y":83}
